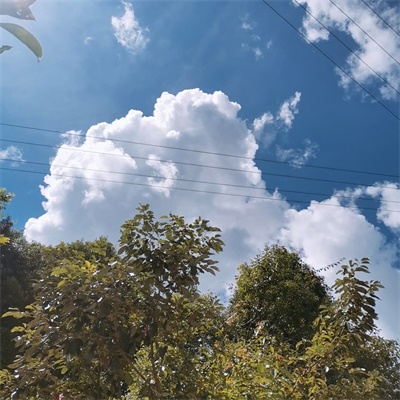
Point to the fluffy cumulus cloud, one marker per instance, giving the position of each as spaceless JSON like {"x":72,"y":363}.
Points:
{"x":389,"y":210}
{"x":128,"y":31}
{"x":326,"y":231}
{"x":376,"y":44}
{"x":95,"y":184}
{"x":388,"y":194}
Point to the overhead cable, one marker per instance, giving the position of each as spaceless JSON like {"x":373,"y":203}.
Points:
{"x":331,"y":60}
{"x":366,"y":33}
{"x":347,"y":47}
{"x":126,"y":155}
{"x":257,"y":159}
{"x":199,"y":191}
{"x":397,"y":33}
{"x":189,"y":180}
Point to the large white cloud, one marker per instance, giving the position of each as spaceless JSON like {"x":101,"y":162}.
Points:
{"x":324,"y":234}
{"x":116,"y":173}
{"x":368,"y":47}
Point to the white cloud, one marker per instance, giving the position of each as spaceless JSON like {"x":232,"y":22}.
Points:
{"x":325,"y":234}
{"x":247,"y":25}
{"x":257,"y":53}
{"x":298,"y":157}
{"x":128,"y":31}
{"x":388,"y":193}
{"x":389,"y":210}
{"x":99,"y":201}
{"x":368,"y":48}
{"x":288,"y":110}
{"x":267,"y":126}
{"x":252,"y":41}
{"x":260,"y":122}
{"x":88,"y":40}
{"x":166,"y":171}
{"x":11,"y":153}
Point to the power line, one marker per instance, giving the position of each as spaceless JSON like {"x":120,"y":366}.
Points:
{"x":258,"y":159}
{"x":397,"y":33}
{"x":347,"y":47}
{"x":191,"y":180}
{"x":195,"y":165}
{"x":196,"y":190}
{"x":331,"y":60}
{"x":366,"y":33}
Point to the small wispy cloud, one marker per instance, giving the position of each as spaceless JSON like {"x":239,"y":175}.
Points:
{"x":253,"y":41}
{"x":260,"y":122}
{"x":267,"y":126}
{"x":128,"y":31}
{"x":298,"y":157}
{"x":11,"y":154}
{"x":289,"y":109}
{"x":88,"y":40}
{"x":247,"y":24}
{"x":257,"y":53}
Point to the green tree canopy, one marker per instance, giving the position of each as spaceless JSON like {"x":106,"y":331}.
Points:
{"x":93,"y":318}
{"x":276,"y":293}
{"x":132,"y":324}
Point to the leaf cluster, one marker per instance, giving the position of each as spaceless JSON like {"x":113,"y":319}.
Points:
{"x":20,"y":9}
{"x":132,"y":324}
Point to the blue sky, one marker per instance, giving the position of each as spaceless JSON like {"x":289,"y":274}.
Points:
{"x":226,"y":77}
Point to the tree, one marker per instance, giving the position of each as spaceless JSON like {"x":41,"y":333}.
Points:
{"x":20,"y":263}
{"x":5,"y":198}
{"x":328,"y":366}
{"x":382,"y":355}
{"x":133,"y":325}
{"x":19,"y":9}
{"x":279,"y":294}
{"x":345,"y":359}
{"x":93,"y":321}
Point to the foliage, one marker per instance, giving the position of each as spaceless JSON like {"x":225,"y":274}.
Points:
{"x":20,"y":263}
{"x":326,"y":368}
{"x":5,"y":198}
{"x":279,"y":294}
{"x":19,"y":9}
{"x":91,"y":321}
{"x":132,"y":324}
{"x":344,"y":359}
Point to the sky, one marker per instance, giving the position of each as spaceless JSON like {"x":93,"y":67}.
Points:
{"x":277,"y":121}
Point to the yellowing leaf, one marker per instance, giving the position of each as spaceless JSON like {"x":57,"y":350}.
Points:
{"x":4,"y":240}
{"x":25,"y":37}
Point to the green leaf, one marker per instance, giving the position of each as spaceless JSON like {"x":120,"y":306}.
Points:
{"x":5,"y":48}
{"x":25,"y":37}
